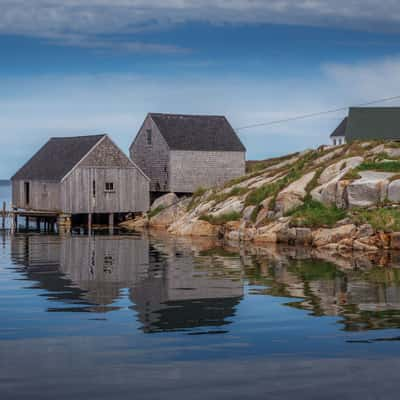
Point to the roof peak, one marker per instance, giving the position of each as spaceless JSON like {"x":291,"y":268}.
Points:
{"x":374,"y":108}
{"x":79,"y":136}
{"x":187,"y":115}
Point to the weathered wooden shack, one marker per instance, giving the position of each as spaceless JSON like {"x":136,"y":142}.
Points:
{"x":80,"y":175}
{"x":181,"y":153}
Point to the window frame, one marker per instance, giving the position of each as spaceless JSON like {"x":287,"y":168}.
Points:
{"x":109,"y":187}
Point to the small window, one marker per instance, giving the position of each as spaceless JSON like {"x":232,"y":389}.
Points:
{"x":149,"y":138}
{"x":334,"y":142}
{"x":94,"y":188}
{"x":109,"y":187}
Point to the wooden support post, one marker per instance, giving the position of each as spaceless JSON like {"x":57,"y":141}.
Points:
{"x":3,"y":222}
{"x":38,"y":223}
{"x":26,"y":223}
{"x":89,"y":224}
{"x":15,"y":222}
{"x":111,"y":223}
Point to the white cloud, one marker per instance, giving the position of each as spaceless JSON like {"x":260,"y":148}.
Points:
{"x":78,"y":22}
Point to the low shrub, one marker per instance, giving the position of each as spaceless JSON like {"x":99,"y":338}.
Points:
{"x":314,"y":214}
{"x":196,"y":198}
{"x":221,"y":219}
{"x":222,"y":196}
{"x":385,"y":166}
{"x":381,"y":219}
{"x":156,"y":211}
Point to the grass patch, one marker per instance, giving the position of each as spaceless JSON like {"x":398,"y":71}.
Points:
{"x":220,"y":197}
{"x":387,"y":166}
{"x":194,"y":202}
{"x":156,"y":211}
{"x":221,"y":219}
{"x":257,"y":166}
{"x":314,"y":214}
{"x":381,"y":219}
{"x":258,"y":195}
{"x":352,"y":175}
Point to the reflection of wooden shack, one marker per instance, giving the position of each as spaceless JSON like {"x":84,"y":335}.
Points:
{"x":94,"y":268}
{"x":170,"y":287}
{"x":102,"y":266}
{"x":184,"y":291}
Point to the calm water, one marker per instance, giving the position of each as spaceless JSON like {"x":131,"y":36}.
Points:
{"x":144,"y":317}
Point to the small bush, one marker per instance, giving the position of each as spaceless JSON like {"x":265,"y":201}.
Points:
{"x":220,"y":197}
{"x":196,"y":198}
{"x":381,"y":219}
{"x":156,"y":211}
{"x":199,"y":192}
{"x":352,"y":175}
{"x":221,"y":219}
{"x":258,"y":195}
{"x":387,"y":166}
{"x":314,"y":214}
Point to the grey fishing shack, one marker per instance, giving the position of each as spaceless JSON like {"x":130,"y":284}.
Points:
{"x":180,"y":153}
{"x":85,"y":175}
{"x":368,"y":123}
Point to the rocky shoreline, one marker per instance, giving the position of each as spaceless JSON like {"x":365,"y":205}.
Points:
{"x":335,"y":198}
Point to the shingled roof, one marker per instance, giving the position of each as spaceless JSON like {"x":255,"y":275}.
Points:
{"x":197,"y":132}
{"x":57,"y":157}
{"x":341,"y":129}
{"x":366,"y":123}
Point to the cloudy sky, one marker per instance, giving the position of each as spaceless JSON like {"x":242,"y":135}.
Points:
{"x":80,"y":67}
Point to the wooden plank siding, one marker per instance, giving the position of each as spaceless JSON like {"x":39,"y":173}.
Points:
{"x":190,"y":170}
{"x":44,"y":195}
{"x":131,"y":191}
{"x":152,"y":158}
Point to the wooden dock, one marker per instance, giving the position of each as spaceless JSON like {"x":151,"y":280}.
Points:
{"x":47,"y":219}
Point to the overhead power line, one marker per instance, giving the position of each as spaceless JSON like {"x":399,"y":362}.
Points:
{"x":315,"y":114}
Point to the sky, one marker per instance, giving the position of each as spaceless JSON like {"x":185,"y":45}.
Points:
{"x":99,"y":66}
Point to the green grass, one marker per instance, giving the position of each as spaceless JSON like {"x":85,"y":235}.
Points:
{"x":194,"y":202}
{"x":314,"y":214}
{"x":352,"y":175}
{"x":272,"y":189}
{"x":156,"y":211}
{"x":256,"y":166}
{"x":221,"y":219}
{"x":381,"y":219}
{"x":386,"y":166}
{"x":258,"y":195}
{"x":220,"y":197}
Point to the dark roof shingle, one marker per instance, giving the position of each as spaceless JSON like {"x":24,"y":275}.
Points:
{"x":341,"y":129}
{"x":197,"y":132}
{"x":373,"y":123}
{"x":57,"y":157}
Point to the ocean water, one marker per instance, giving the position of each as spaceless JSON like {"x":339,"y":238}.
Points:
{"x":150,"y":317}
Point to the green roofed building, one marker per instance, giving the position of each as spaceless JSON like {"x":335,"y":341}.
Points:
{"x":368,"y":123}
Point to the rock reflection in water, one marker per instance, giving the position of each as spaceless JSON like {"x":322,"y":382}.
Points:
{"x":364,"y":290}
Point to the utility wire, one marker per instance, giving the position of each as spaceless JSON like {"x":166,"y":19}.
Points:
{"x":316,"y":114}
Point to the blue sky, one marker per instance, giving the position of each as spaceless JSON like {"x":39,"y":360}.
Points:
{"x":82,"y":67}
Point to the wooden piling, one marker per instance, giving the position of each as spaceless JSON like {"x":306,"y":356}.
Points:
{"x":89,"y":224}
{"x":3,"y":214}
{"x":111,"y":223}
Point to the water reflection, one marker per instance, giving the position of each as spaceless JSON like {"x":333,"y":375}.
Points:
{"x":363,"y":290}
{"x":170,"y":288}
{"x":179,"y":285}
